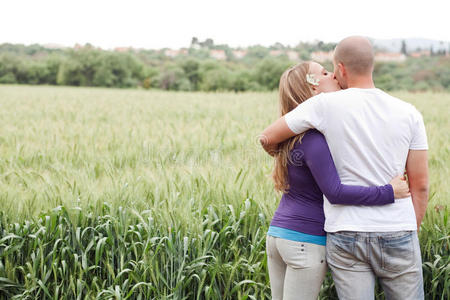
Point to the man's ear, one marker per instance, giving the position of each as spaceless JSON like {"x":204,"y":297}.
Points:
{"x":342,"y":70}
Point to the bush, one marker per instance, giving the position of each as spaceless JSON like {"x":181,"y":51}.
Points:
{"x":386,"y":82}
{"x":269,"y":71}
{"x":173,"y":79}
{"x":218,"y":79}
{"x":8,"y":78}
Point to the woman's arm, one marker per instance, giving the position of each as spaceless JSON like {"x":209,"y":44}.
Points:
{"x":318,"y":158}
{"x":276,"y":133}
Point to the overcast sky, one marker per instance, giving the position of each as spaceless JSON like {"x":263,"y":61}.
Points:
{"x":172,"y":23}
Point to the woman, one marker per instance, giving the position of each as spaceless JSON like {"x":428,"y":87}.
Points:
{"x":304,"y":171}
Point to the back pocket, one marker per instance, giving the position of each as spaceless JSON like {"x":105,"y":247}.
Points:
{"x":397,"y":253}
{"x":340,"y":250}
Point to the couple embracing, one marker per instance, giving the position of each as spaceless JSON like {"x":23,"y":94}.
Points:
{"x":341,"y":148}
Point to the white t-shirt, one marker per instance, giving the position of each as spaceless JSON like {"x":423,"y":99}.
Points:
{"x":369,"y":134}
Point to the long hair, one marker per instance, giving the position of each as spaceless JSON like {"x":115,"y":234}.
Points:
{"x":294,"y":89}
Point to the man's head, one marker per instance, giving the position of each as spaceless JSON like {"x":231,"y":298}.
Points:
{"x":353,"y":60}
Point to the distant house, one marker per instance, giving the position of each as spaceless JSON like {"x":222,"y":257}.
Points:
{"x":85,"y":46}
{"x":321,"y":56}
{"x":218,"y":54}
{"x":171,"y":53}
{"x":123,"y":49}
{"x":418,"y":54}
{"x":390,"y":57}
{"x":293,"y":55}
{"x":175,"y":53}
{"x":54,"y":46}
{"x":239,"y":53}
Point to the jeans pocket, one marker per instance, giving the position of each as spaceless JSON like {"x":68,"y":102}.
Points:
{"x":397,"y":253}
{"x":340,"y":250}
{"x":294,"y":253}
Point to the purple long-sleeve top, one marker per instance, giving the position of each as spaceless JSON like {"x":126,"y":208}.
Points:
{"x":312,"y":174}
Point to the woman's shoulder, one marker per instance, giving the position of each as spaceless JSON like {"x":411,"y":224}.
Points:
{"x":311,"y":138}
{"x":313,"y":135}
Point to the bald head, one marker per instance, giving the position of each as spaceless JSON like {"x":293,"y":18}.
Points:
{"x":356,"y":54}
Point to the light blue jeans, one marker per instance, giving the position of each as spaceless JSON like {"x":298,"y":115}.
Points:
{"x":356,"y":259}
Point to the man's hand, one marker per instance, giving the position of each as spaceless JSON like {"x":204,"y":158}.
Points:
{"x":275,"y":134}
{"x":417,"y":171}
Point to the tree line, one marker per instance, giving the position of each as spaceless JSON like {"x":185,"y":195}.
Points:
{"x":195,"y":70}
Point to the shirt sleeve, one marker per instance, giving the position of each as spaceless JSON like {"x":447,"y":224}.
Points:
{"x":318,"y":158}
{"x":419,"y":135}
{"x":307,"y":115}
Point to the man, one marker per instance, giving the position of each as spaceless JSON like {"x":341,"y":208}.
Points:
{"x":372,"y":137}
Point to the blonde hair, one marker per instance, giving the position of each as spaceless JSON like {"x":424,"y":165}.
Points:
{"x":293,"y":89}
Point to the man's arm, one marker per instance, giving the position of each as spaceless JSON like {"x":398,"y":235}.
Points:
{"x":306,"y":115}
{"x":274,"y":134}
{"x":417,"y":171}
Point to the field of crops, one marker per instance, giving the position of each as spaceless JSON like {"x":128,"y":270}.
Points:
{"x":130,"y":194}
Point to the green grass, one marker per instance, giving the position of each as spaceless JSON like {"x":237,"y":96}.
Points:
{"x":125,"y":193}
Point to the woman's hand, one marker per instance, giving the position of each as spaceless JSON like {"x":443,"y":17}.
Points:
{"x":400,"y":187}
{"x":275,"y":134}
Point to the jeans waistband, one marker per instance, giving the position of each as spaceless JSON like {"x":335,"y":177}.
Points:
{"x":373,"y":236}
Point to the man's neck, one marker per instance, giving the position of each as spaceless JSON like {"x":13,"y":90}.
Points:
{"x":361,"y":83}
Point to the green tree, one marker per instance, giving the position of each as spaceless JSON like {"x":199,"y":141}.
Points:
{"x":219,"y":79}
{"x":214,"y":76}
{"x":403,"y":48}
{"x":191,"y":68}
{"x":13,"y":69}
{"x":242,"y":81}
{"x":118,"y":70}
{"x":37,"y":73}
{"x":150,"y":75}
{"x":269,"y":71}
{"x":174,"y":78}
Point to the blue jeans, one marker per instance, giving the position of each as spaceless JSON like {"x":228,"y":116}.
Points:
{"x":356,"y":259}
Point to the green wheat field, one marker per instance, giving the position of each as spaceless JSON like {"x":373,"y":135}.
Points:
{"x":132,"y":194}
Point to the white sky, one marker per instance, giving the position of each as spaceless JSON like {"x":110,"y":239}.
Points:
{"x":172,"y":23}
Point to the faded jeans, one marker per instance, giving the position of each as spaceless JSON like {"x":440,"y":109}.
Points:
{"x":296,"y":269}
{"x":356,"y":259}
